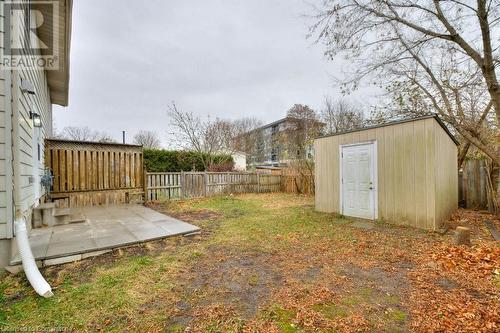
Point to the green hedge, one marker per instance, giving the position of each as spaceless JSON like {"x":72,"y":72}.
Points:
{"x":159,"y":160}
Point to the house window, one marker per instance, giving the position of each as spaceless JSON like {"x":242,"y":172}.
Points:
{"x":274,"y":154}
{"x":275,"y":129}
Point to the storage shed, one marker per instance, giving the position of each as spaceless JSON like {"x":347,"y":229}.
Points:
{"x":403,"y":172}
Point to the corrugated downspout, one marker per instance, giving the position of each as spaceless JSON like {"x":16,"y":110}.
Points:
{"x":33,"y":275}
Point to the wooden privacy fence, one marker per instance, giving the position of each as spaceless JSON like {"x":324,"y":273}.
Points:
{"x":184,"y":185}
{"x":88,"y":173}
{"x":472,"y":184}
{"x":294,"y":183}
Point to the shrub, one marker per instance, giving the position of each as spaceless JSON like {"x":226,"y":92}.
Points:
{"x":222,"y":166}
{"x":159,"y":160}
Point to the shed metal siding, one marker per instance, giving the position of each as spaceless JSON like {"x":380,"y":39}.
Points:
{"x":417,"y":174}
{"x":447,"y":181}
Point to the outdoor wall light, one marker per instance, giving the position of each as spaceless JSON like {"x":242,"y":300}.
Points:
{"x":37,"y":120}
{"x":27,"y":87}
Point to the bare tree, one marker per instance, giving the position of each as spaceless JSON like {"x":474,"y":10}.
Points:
{"x":247,"y":135}
{"x":423,"y":43}
{"x":304,"y":127}
{"x":473,"y":112}
{"x":84,"y":134}
{"x":207,"y":137}
{"x":438,"y":50}
{"x":148,"y":139}
{"x":340,"y":116}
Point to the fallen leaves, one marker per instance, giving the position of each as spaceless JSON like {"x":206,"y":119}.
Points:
{"x":454,"y":288}
{"x":480,"y":260}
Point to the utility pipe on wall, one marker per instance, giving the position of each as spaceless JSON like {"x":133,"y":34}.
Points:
{"x":34,"y":276}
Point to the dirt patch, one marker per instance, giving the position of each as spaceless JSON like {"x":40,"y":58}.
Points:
{"x":196,"y":216}
{"x":207,"y":220}
{"x":237,"y":282}
{"x":393,"y":283}
{"x":447,"y":284}
{"x":243,"y":280}
{"x":190,"y":216}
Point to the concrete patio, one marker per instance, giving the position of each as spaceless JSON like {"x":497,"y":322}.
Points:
{"x":104,"y":228}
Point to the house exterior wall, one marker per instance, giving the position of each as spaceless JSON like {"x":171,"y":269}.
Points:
{"x":17,"y":146}
{"x":416,"y":170}
{"x":240,"y":161}
{"x":28,"y":135}
{"x":5,"y":145}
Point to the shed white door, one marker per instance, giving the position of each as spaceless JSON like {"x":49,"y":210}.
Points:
{"x":359,"y":180}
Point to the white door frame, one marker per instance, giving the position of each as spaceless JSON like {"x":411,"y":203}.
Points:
{"x":374,"y":175}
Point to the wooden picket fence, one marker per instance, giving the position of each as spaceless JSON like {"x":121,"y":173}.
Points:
{"x":185,"y":185}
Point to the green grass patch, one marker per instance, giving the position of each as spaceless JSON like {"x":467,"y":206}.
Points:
{"x":283,"y":318}
{"x":332,"y":311}
{"x":396,"y":315}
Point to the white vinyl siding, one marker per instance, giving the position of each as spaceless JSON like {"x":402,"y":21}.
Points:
{"x":12,"y":97}
{"x":39,"y":103}
{"x":4,"y":133}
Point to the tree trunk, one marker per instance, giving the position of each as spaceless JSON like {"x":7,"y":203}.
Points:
{"x":496,"y":172}
{"x":462,"y":154}
{"x":492,"y":174}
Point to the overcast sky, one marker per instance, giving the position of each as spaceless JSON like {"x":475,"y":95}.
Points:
{"x":226,"y":58}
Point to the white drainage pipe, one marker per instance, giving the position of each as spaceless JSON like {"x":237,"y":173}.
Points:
{"x":30,"y":269}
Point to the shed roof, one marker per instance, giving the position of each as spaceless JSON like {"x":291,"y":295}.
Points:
{"x":396,"y":122}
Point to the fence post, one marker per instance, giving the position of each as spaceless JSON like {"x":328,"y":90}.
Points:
{"x":205,"y":180}
{"x":181,"y":181}
{"x":145,"y":183}
{"x":258,"y":182}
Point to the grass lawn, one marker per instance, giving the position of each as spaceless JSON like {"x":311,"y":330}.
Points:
{"x":270,"y":263}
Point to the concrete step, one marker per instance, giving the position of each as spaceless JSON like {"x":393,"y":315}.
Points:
{"x":46,"y":205}
{"x":48,"y":214}
{"x":61,"y":212}
{"x":38,"y":214}
{"x":76,"y":218}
